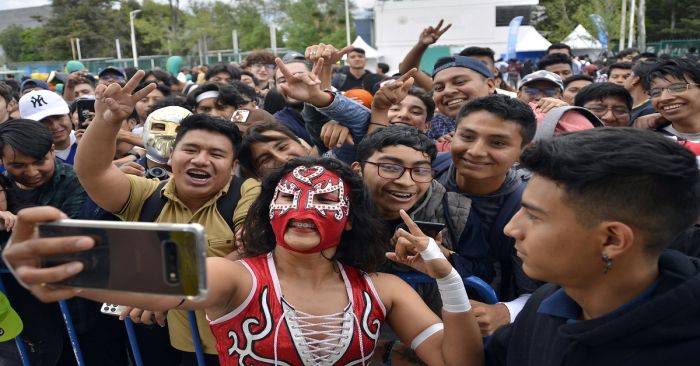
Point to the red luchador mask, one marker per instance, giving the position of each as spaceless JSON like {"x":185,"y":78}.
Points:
{"x":301,"y":186}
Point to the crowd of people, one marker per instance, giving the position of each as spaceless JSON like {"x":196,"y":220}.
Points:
{"x":573,"y":190}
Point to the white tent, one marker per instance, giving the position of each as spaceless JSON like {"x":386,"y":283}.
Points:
{"x":530,"y":40}
{"x":582,"y":42}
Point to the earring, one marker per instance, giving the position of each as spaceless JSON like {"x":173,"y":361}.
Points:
{"x":607,"y":263}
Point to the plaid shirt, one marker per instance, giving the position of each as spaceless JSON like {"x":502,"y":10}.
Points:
{"x":63,"y":191}
{"x":440,"y":126}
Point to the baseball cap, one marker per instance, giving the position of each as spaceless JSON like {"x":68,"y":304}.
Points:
{"x":111,"y":70}
{"x":39,"y":104}
{"x":73,"y":66}
{"x":33,"y":83}
{"x":293,"y":56}
{"x":462,"y":61}
{"x":544,"y":76}
{"x":10,"y":323}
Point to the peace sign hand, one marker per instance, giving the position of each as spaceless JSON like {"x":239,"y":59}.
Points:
{"x":431,"y":34}
{"x":302,"y":86}
{"x":415,"y":249}
{"x":393,"y":92}
{"x":113,"y":103}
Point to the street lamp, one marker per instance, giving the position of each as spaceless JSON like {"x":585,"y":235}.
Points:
{"x":132,"y":15}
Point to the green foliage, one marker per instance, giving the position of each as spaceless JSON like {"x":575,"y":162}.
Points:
{"x":310,"y":22}
{"x":672,"y":19}
{"x":562,"y":16}
{"x":22,"y":44}
{"x":155,"y":31}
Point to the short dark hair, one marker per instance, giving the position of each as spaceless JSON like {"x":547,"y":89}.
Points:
{"x":647,"y":55}
{"x":27,"y":136}
{"x":427,"y":99}
{"x":620,"y":65}
{"x":394,"y":135}
{"x":553,"y":59}
{"x":244,"y":89}
{"x":384,"y":67}
{"x":6,"y":92}
{"x":642,"y":68}
{"x":223,"y":67}
{"x":250,"y":74}
{"x":627,"y":52}
{"x":160,"y":87}
{"x":358,"y":50}
{"x":254,"y":135}
{"x":559,"y":46}
{"x":510,"y":109}
{"x":362,"y":247}
{"x":172,"y":100}
{"x":600,"y":91}
{"x":578,"y":77}
{"x":160,"y":75}
{"x":635,"y":176}
{"x":259,"y":56}
{"x":478,"y":51}
{"x":679,"y":68}
{"x":228,"y":95}
{"x":211,"y":124}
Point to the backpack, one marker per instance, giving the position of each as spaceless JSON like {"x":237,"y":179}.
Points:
{"x":226,"y":204}
{"x":545,"y":129}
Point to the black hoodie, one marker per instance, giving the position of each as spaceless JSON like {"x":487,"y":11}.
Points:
{"x":663,"y":329}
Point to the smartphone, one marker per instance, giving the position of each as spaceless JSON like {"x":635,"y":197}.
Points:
{"x":430,"y":229}
{"x":240,"y":116}
{"x":135,"y":257}
{"x":86,"y":110}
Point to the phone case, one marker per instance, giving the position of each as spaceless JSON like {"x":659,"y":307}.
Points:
{"x":111,"y":309}
{"x":135,"y":257}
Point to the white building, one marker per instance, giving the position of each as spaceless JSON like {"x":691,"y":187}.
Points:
{"x":481,"y":23}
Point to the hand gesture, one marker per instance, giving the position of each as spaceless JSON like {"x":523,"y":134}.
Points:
{"x":330,"y":54}
{"x":431,"y":34}
{"x":393,"y":92}
{"x":547,"y":103}
{"x":446,"y":137}
{"x":412,"y":247}
{"x":114,"y":103}
{"x":24,"y":251}
{"x":302,"y":86}
{"x":144,"y":316}
{"x":651,"y":121}
{"x":490,"y":317}
{"x":133,"y":168}
{"x":334,"y":135}
{"x":75,"y":78}
{"x":7,"y":219}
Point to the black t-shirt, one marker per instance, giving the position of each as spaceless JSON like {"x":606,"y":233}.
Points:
{"x":23,"y":198}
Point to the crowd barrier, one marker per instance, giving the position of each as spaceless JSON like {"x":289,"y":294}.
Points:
{"x":413,"y":278}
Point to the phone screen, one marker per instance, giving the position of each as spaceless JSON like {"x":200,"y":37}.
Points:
{"x":132,"y":259}
{"x":86,"y":110}
{"x":240,"y":116}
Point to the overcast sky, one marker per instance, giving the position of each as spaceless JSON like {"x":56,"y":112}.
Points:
{"x":12,"y":4}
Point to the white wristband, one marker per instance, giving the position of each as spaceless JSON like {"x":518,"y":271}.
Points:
{"x":453,"y":294}
{"x":432,"y":252}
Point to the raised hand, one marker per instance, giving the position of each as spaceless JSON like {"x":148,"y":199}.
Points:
{"x":335,"y":135}
{"x":302,"y":86}
{"x":330,"y":54}
{"x":415,"y":249}
{"x":393,"y":92}
{"x":114,"y":103}
{"x":431,"y":34}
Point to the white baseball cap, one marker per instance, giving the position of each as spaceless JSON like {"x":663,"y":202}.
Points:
{"x":39,"y":104}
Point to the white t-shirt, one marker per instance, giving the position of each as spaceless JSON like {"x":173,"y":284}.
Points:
{"x":63,"y":154}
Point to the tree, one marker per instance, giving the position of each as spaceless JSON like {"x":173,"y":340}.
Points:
{"x":562,"y":16}
{"x":309,"y":22}
{"x":156,"y":32}
{"x":22,"y":44}
{"x":672,"y":19}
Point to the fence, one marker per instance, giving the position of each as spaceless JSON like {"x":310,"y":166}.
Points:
{"x":674,"y":48}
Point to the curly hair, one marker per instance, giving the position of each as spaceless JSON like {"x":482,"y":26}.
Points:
{"x":362,"y":246}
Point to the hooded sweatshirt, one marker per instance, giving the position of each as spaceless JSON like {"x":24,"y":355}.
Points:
{"x":662,"y":328}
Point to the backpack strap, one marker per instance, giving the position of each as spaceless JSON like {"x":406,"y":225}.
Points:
{"x":226,"y":204}
{"x":153,"y":204}
{"x":546,"y":128}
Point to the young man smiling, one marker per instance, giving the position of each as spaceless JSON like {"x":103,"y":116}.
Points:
{"x":52,"y":111}
{"x":202,"y":162}
{"x":489,"y":136}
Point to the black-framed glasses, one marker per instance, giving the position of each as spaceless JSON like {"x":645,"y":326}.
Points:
{"x":419,"y":174}
{"x":547,"y":92}
{"x":675,"y":88}
{"x":600,"y":110}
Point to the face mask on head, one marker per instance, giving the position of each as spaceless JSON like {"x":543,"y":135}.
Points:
{"x":159,"y":132}
{"x":302,"y":184}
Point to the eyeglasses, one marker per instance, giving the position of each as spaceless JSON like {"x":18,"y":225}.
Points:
{"x":675,"y":88}
{"x":600,"y":110}
{"x":548,"y":92}
{"x":420,"y":174}
{"x":260,"y":66}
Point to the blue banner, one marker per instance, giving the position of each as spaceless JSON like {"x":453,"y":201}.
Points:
{"x":513,"y":35}
{"x":602,"y":31}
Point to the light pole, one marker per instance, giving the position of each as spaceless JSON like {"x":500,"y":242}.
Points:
{"x":347,"y":23}
{"x":132,"y":15}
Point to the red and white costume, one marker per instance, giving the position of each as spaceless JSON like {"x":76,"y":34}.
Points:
{"x":266,"y":330}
